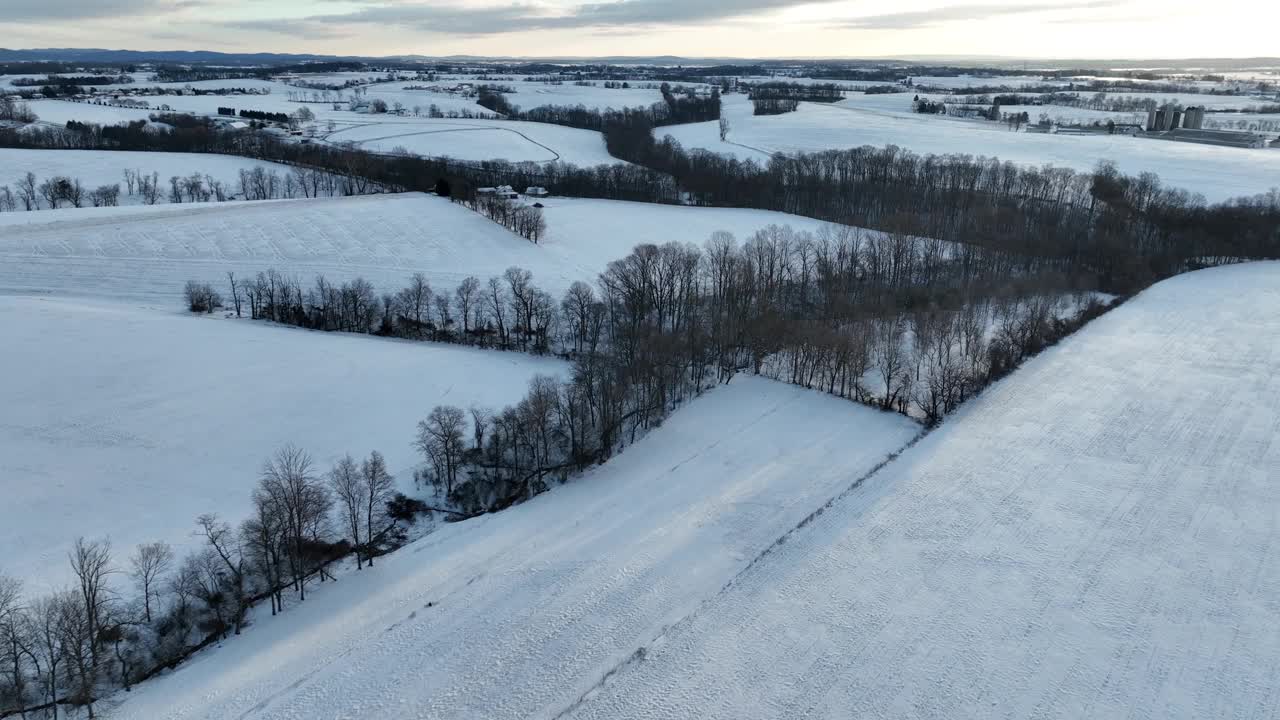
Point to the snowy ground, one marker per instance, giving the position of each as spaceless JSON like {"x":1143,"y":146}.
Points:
{"x":1218,"y":173}
{"x":516,"y":615}
{"x":128,"y":422}
{"x":105,"y":167}
{"x":1093,"y":537}
{"x":529,"y":95}
{"x":148,"y":253}
{"x":961,"y":82}
{"x":476,"y":139}
{"x":386,"y":132}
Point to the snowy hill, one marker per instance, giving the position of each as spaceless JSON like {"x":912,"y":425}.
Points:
{"x":127,"y":423}
{"x":106,"y":167}
{"x":1093,"y":537}
{"x":518,"y":614}
{"x":1218,"y":173}
{"x":148,"y":253}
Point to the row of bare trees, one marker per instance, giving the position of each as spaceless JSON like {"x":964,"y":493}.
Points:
{"x":1120,"y":232}
{"x":55,"y":192}
{"x":524,"y":220}
{"x":121,"y":622}
{"x":258,"y":183}
{"x":888,"y":320}
{"x":507,"y":312}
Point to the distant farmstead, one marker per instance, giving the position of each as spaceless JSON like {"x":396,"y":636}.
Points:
{"x":506,"y":192}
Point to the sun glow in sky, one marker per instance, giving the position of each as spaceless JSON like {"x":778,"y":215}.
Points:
{"x":695,"y":28}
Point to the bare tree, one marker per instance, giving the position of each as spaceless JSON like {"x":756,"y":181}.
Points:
{"x":73,"y":192}
{"x":378,"y":486}
{"x":91,"y":563}
{"x":467,"y":298}
{"x":150,"y":563}
{"x":496,"y":299}
{"x":235,"y":291}
{"x":50,"y":192}
{"x":303,"y":504}
{"x":263,"y":536}
{"x":226,"y":548}
{"x":440,"y":439}
{"x":347,"y":483}
{"x":415,"y":302}
{"x":28,"y":192}
{"x":10,"y":591}
{"x":149,"y":188}
{"x":45,"y":627}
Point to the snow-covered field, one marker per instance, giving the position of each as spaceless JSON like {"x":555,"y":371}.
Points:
{"x":148,"y":253}
{"x":529,"y":95}
{"x":128,"y":422}
{"x":1218,"y":173}
{"x":961,"y":82}
{"x":462,"y":139}
{"x":1093,"y":537}
{"x":104,"y":167}
{"x":517,"y":614}
{"x":477,"y":140}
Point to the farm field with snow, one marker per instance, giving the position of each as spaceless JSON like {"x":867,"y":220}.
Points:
{"x":106,"y":167}
{"x":461,"y":139}
{"x":1092,"y":537}
{"x":1218,"y":173}
{"x":477,"y":139}
{"x":529,"y":95}
{"x":516,"y":615}
{"x":127,"y":422}
{"x":148,"y":253}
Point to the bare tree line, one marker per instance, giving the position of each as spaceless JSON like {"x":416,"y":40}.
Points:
{"x":123,"y":620}
{"x":890,"y":321}
{"x":259,"y":183}
{"x":524,"y":220}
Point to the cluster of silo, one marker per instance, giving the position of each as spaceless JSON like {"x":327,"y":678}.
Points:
{"x":1193,"y":118}
{"x":1170,"y":118}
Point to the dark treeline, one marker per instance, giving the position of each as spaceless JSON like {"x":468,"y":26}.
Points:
{"x":187,"y":73}
{"x":391,"y":173}
{"x":59,"y":80}
{"x":774,"y":105}
{"x":1122,"y":232}
{"x":263,"y":115}
{"x":892,"y":321}
{"x":1115,"y":231}
{"x":807,"y":92}
{"x":523,"y":220}
{"x":679,"y":106}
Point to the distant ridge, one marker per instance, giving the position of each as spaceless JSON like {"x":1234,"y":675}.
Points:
{"x":101,"y":55}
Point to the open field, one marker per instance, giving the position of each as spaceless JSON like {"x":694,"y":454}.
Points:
{"x":148,"y":253}
{"x":476,"y":139}
{"x":127,"y":423}
{"x":516,"y":615}
{"x":534,"y":142}
{"x":1218,"y":173}
{"x":529,"y":95}
{"x":1093,"y":537}
{"x":106,"y":167}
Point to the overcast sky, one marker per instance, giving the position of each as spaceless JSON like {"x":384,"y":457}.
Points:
{"x":738,"y":28}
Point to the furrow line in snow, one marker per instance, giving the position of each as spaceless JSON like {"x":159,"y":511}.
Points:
{"x":640,"y":652}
